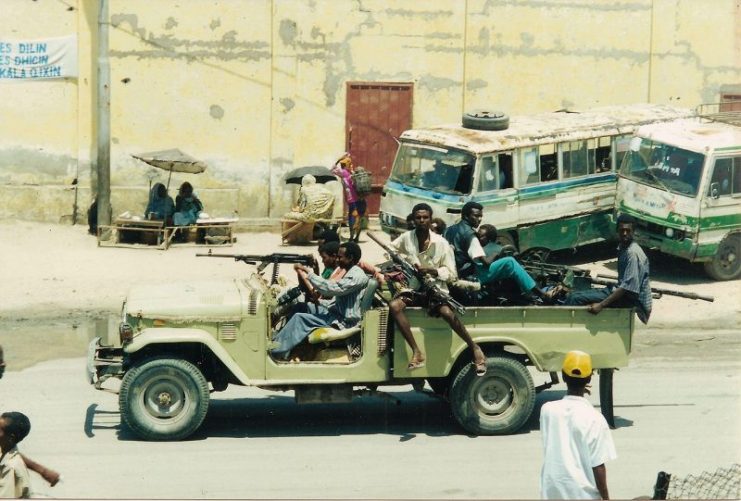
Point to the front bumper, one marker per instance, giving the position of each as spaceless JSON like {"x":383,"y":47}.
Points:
{"x":103,"y":362}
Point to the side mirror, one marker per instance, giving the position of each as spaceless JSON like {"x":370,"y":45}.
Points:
{"x":714,"y":190}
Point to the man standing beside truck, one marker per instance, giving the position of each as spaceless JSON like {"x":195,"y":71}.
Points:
{"x":633,"y":289}
{"x":576,"y":439}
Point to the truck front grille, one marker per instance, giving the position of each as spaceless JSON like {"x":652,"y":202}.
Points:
{"x":383,"y":321}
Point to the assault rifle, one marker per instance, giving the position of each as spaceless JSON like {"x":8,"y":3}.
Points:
{"x":275,"y":259}
{"x":655,"y":292}
{"x":428,"y":283}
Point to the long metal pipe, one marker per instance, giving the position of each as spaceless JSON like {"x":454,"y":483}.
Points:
{"x":103,"y":163}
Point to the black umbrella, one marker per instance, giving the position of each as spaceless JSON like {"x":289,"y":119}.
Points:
{"x":321,"y":173}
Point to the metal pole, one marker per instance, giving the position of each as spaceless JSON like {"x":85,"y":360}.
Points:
{"x":104,"y":118}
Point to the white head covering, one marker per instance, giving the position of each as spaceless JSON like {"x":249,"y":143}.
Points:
{"x":308,"y":180}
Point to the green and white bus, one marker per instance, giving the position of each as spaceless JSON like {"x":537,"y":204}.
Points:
{"x":682,"y":181}
{"x":546,"y":181}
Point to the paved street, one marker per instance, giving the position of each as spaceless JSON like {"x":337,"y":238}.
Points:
{"x":677,"y":410}
{"x":677,"y":404}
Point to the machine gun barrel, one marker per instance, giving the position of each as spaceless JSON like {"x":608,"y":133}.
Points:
{"x":275,"y":259}
{"x":657,"y":292}
{"x":428,"y":284}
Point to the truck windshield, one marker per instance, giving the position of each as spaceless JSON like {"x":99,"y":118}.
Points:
{"x":663,"y":166}
{"x":432,"y":168}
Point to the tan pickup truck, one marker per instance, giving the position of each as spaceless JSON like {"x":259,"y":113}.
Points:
{"x":179,"y":342}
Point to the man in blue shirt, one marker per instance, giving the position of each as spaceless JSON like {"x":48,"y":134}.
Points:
{"x":344,"y":312}
{"x":633,"y":289}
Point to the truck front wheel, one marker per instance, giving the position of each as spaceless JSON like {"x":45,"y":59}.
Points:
{"x":726,"y":264}
{"x":163,"y":399}
{"x":498,"y":403}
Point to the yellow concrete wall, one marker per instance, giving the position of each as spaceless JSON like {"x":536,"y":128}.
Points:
{"x":257,"y":87}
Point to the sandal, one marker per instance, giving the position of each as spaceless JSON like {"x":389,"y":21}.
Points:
{"x":480,"y":368}
{"x":415,"y":365}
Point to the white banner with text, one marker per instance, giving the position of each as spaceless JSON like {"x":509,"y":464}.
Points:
{"x":38,"y":59}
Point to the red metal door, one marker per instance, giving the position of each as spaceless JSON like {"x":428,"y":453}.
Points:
{"x":377,"y":113}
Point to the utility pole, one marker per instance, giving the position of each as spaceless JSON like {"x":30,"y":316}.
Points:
{"x":103,"y":118}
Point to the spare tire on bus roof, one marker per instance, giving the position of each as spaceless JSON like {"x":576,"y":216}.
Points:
{"x":485,"y":120}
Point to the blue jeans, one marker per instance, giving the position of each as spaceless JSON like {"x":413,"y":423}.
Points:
{"x":589,"y":296}
{"x":503,"y":268}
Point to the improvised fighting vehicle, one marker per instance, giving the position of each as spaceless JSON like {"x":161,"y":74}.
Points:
{"x":179,"y":342}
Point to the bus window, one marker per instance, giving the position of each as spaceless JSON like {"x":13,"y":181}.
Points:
{"x":548,"y":162}
{"x":622,"y":146}
{"x":578,"y":158}
{"x":488,"y":174}
{"x":505,"y":171}
{"x":603,"y":158}
{"x":726,"y":177}
{"x":529,"y":171}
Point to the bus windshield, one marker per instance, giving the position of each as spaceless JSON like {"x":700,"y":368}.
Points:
{"x":663,"y":166}
{"x":437,"y":169}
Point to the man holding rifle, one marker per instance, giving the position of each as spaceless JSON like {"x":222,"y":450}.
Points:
{"x":431,"y":255}
{"x":633,"y":288}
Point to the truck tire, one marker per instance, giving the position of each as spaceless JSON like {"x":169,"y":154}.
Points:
{"x":726,"y":264}
{"x":605,"y":396}
{"x":485,"y":120}
{"x":498,"y":403}
{"x":163,"y":399}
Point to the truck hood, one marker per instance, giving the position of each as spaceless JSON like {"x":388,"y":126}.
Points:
{"x":205,"y":300}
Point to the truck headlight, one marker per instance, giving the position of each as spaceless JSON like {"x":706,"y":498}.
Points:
{"x":669,"y":232}
{"x":125,"y":333}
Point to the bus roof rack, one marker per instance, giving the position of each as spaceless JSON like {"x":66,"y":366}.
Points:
{"x":728,"y":112}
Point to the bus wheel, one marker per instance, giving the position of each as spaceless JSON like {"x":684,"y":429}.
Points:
{"x":726,"y":264}
{"x":485,"y":120}
{"x":496,"y":403}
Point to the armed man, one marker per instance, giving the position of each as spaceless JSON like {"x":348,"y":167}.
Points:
{"x":431,"y":255}
{"x":633,"y":288}
{"x":471,"y":261}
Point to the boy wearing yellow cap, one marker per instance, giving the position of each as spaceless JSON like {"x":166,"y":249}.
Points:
{"x":576,"y":439}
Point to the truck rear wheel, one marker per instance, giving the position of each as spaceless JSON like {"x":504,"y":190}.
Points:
{"x":498,"y":403}
{"x":726,"y":263}
{"x":164,"y":399}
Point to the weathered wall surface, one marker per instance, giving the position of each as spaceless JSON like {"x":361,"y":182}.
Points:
{"x":257,"y":87}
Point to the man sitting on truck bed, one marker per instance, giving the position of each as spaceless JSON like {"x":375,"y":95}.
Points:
{"x":633,"y":288}
{"x":343,"y":313}
{"x":471,"y":261}
{"x":432,"y":255}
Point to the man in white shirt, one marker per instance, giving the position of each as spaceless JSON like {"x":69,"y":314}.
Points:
{"x":14,"y":479}
{"x":576,"y":439}
{"x":431,"y":255}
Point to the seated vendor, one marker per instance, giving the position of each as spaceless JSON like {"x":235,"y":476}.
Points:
{"x":187,"y":206}
{"x":160,"y":206}
{"x":315,"y":201}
